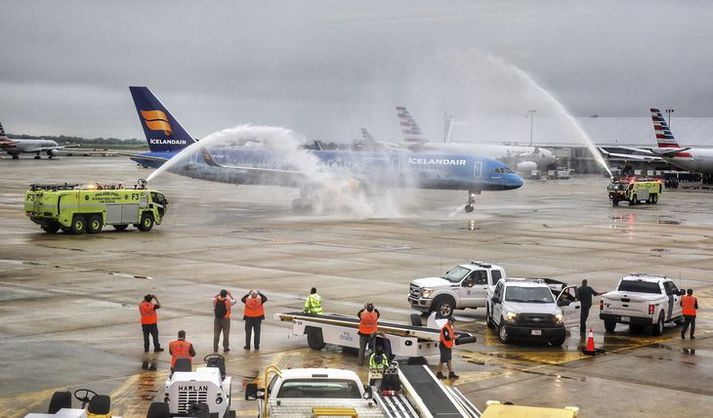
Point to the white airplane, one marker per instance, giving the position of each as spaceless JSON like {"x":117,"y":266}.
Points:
{"x":15,"y":147}
{"x":696,"y":160}
{"x":523,"y":159}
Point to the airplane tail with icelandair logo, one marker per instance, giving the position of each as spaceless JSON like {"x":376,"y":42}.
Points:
{"x":163,"y":132}
{"x":410,"y":130}
{"x":664,"y":136}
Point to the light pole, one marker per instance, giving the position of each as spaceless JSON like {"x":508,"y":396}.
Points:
{"x":669,"y":111}
{"x":532,"y":122}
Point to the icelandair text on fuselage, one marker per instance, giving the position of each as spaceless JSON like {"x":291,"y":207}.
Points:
{"x":435,"y":161}
{"x":156,"y":141}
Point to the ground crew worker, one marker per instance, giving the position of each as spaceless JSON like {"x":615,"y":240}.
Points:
{"x":313,"y":304}
{"x":445,"y":346}
{"x":149,"y":321}
{"x":222,"y":303}
{"x":253,"y":315}
{"x":689,"y":305}
{"x":181,"y":348}
{"x":368,"y":325}
{"x":379,"y":360}
{"x":584,"y":294}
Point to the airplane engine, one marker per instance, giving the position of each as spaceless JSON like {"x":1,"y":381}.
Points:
{"x":53,"y":152}
{"x":526,"y":167}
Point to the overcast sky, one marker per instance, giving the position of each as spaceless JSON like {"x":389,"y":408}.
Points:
{"x":327,"y":68}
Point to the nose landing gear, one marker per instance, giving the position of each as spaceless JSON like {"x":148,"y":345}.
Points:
{"x":471,"y":202}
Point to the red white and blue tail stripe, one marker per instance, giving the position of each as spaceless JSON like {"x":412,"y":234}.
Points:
{"x":664,"y":136}
{"x":409,"y":128}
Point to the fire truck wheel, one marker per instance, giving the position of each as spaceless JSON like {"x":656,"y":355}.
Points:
{"x":94,"y":224}
{"x":50,"y":227}
{"x":79,"y":224}
{"x":146,"y":223}
{"x":654,"y":199}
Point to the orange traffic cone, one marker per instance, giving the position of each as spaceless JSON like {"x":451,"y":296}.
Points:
{"x":590,"y":349}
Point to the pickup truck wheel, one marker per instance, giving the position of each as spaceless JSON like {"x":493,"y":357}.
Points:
{"x":678,"y":321}
{"x":444,"y":306}
{"x":315,"y":339}
{"x":658,"y":326}
{"x":614,"y":202}
{"x":559,"y":341}
{"x":488,"y":319}
{"x":609,"y":325}
{"x":503,"y":333}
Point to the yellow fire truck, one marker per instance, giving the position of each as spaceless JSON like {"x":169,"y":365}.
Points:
{"x":76,"y":209}
{"x":634,"y":190}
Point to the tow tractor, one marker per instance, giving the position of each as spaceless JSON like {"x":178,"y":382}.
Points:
{"x":204,"y":392}
{"x":410,"y":341}
{"x":79,"y":208}
{"x":98,"y":406}
{"x":402,"y":391}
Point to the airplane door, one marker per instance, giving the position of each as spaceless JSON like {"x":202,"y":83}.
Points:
{"x":477,"y":169}
{"x":570,"y":306}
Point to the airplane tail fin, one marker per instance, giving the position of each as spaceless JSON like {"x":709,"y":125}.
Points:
{"x":664,"y":136}
{"x":3,"y":135}
{"x":163,"y":132}
{"x":366,"y":136}
{"x":410,"y":130}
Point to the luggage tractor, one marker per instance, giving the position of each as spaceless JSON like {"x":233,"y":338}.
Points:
{"x":76,"y":208}
{"x":203,"y":393}
{"x":634,"y":190}
{"x":97,"y":406}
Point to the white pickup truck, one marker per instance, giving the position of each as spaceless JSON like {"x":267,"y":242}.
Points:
{"x":533,"y":309}
{"x":415,"y":392}
{"x":464,"y":286}
{"x":642,"y":300}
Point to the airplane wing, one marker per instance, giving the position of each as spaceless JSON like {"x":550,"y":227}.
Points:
{"x":669,"y":152}
{"x":650,"y":157}
{"x":145,"y":157}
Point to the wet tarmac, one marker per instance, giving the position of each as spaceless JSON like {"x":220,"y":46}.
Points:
{"x":68,"y":303}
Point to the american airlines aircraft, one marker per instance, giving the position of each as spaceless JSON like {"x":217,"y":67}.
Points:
{"x":15,"y":147}
{"x":523,"y":159}
{"x":696,"y":160}
{"x":241,"y":165}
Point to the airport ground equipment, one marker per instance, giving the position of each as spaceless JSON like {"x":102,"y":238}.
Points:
{"x":642,"y":300}
{"x":464,"y":286}
{"x":410,"y":341}
{"x":634,"y":190}
{"x":533,"y":309}
{"x":88,"y":208}
{"x":97,"y":406}
{"x":203,"y":392}
{"x":413,"y":391}
{"x":496,"y":409}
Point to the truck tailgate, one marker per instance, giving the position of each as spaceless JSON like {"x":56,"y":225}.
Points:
{"x":303,"y":408}
{"x":631,"y":304}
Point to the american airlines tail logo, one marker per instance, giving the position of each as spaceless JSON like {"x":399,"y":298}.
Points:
{"x":156,"y":120}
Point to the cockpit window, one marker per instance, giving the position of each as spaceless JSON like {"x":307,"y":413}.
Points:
{"x":503,"y":170}
{"x":508,"y":170}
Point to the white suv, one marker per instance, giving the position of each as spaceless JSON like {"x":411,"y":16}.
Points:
{"x":528,"y":309}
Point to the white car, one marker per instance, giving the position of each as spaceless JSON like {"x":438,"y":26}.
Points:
{"x":642,"y":300}
{"x":528,"y":309}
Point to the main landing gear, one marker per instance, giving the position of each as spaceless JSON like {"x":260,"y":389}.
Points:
{"x":471,"y":202}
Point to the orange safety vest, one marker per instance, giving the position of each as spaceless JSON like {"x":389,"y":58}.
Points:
{"x":148,"y":313}
{"x":228,"y":305}
{"x":368,"y":323}
{"x":180,"y":349}
{"x":452,"y":334}
{"x":688,"y":305}
{"x":254,"y":308}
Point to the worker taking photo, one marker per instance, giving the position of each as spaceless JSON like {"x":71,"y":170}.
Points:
{"x":149,"y":321}
{"x":253,"y":315}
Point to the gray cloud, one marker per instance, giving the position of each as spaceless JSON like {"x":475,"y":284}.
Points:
{"x":326,"y":68}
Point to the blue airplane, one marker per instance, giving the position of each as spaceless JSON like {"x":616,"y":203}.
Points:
{"x":242,"y":165}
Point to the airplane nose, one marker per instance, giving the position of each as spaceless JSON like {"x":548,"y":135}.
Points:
{"x":515,"y":181}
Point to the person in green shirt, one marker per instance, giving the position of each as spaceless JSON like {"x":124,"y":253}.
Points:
{"x":313,"y":304}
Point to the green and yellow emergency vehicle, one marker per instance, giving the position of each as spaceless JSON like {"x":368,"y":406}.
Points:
{"x":634,"y":190}
{"x":76,"y":209}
